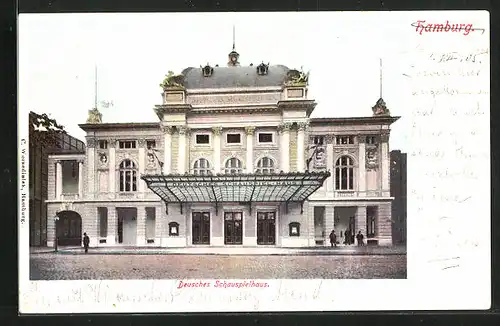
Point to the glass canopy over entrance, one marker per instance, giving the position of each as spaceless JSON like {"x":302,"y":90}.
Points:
{"x":239,"y":188}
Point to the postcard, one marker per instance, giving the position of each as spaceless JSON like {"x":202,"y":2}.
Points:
{"x":225,"y":162}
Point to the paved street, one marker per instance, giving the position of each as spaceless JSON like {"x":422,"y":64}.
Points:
{"x":49,"y":266}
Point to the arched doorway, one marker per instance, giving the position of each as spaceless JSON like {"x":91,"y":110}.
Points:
{"x":69,"y":228}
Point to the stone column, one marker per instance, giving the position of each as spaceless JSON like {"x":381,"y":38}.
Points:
{"x":384,"y":162}
{"x":301,"y":143}
{"x":111,"y":237}
{"x":330,"y":224}
{"x":142,"y":161}
{"x":284,"y":130}
{"x":249,"y":158}
{"x":112,"y":166}
{"x":330,"y":164}
{"x":59,"y":180}
{"x":181,"y":162}
{"x":80,"y":179}
{"x":217,"y":131}
{"x":361,"y":221}
{"x":167,"y":149}
{"x":91,"y":176}
{"x":141,"y":226}
{"x":362,"y":165}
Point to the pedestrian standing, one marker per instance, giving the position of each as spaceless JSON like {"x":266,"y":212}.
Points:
{"x":360,"y":237}
{"x":333,"y":239}
{"x":86,"y":242}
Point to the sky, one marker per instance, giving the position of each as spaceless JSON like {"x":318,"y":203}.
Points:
{"x":58,"y":54}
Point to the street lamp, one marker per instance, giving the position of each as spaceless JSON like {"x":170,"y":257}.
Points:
{"x":56,"y":239}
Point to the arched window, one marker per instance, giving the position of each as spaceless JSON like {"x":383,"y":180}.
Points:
{"x":201,"y":167}
{"x":128,"y":176}
{"x":265,"y":166}
{"x":344,"y":173}
{"x":233,"y":166}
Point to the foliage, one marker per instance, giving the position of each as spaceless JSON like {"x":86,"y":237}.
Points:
{"x":43,"y":130}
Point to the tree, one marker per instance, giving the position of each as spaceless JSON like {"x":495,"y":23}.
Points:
{"x":43,"y":130}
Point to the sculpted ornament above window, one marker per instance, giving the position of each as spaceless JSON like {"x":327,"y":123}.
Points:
{"x":183,"y":130}
{"x":372,"y":158}
{"x":217,"y":131}
{"x":166,"y":129}
{"x":249,"y":130}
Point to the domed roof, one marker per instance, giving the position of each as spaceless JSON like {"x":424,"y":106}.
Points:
{"x":234,"y":77}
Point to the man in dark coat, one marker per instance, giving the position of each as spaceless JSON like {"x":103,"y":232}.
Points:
{"x":333,"y":239}
{"x":86,"y":242}
{"x":360,"y":237}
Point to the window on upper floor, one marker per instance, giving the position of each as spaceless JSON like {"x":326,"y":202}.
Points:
{"x":127,"y":144}
{"x":371,"y":140}
{"x":202,"y":167}
{"x":265,"y":166}
{"x":233,"y":166}
{"x":319,"y":140}
{"x":202,"y":139}
{"x":103,"y":144}
{"x":265,"y":137}
{"x":150,"y":144}
{"x":344,"y":140}
{"x":344,"y":173}
{"x":233,"y":138}
{"x":128,"y":176}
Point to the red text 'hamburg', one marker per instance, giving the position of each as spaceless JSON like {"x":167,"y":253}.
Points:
{"x":422,"y":27}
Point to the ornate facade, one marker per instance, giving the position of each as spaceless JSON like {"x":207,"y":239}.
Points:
{"x":235,"y":159}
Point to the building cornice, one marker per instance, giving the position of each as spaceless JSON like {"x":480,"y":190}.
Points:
{"x":353,"y":120}
{"x":309,"y":105}
{"x":126,"y":125}
{"x":232,"y":91}
{"x":68,"y":157}
{"x":235,"y":109}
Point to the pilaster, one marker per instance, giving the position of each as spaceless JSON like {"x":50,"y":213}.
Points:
{"x":361,"y":220}
{"x":80,"y":179}
{"x":59,"y":180}
{"x":384,"y":162}
{"x":362,"y":165}
{"x":181,"y":162}
{"x":301,"y":161}
{"x":284,"y":130}
{"x":329,"y":162}
{"x":142,"y":161}
{"x":141,"y":225}
{"x":91,"y":143}
{"x":167,"y":149}
{"x":217,"y":131}
{"x":112,"y":164}
{"x":249,"y":154}
{"x":112,"y":226}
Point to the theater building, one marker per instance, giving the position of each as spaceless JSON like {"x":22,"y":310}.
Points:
{"x":234,"y":160}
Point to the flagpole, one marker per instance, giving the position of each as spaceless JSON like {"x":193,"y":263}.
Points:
{"x":380,"y":77}
{"x":95,"y":86}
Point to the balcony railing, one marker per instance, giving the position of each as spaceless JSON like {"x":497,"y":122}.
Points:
{"x":70,"y":196}
{"x":353,"y":193}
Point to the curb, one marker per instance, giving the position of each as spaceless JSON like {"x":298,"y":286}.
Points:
{"x":232,"y":254}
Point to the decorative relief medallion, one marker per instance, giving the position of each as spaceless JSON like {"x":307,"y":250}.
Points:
{"x":151,"y":160}
{"x":372,"y":158}
{"x":319,"y":157}
{"x":249,"y":130}
{"x":103,"y":160}
{"x":217,"y":131}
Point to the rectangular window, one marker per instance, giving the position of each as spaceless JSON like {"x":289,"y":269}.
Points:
{"x":103,"y":221}
{"x":319,"y":140}
{"x":127,"y":144}
{"x":371,"y":140}
{"x":265,"y":137}
{"x":233,"y":138}
{"x":202,"y":139}
{"x":103,"y":144}
{"x":345,"y":140}
{"x":150,"y":144}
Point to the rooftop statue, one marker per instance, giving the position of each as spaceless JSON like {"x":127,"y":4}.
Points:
{"x":94,"y":116}
{"x":173,"y":80}
{"x":380,"y":108}
{"x":297,"y":78}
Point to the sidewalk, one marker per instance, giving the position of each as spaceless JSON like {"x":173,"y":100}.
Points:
{"x":242,"y":251}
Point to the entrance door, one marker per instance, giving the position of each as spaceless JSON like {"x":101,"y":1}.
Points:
{"x":120,"y":229}
{"x":266,"y":228}
{"x":233,"y":228}
{"x":201,"y":228}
